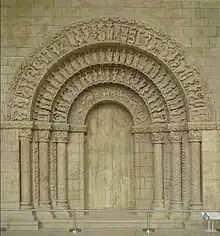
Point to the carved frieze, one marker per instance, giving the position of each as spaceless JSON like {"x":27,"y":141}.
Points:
{"x":95,"y":31}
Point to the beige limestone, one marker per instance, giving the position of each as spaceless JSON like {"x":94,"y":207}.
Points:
{"x":147,"y":80}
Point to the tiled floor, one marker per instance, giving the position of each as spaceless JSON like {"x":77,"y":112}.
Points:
{"x":109,"y":233}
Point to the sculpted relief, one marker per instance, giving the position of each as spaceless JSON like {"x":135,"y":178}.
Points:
{"x":141,"y":44}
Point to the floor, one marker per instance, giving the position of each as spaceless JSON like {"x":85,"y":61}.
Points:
{"x":102,"y":232}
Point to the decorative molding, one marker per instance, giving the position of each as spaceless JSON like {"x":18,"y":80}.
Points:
{"x":42,"y":125}
{"x":141,"y":129}
{"x":159,"y":128}
{"x":203,"y":126}
{"x":97,"y":31}
{"x":78,"y":129}
{"x":177,"y":127}
{"x":16,"y":125}
{"x":60,"y":127}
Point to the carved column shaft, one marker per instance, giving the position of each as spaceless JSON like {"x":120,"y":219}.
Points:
{"x":176,"y":199}
{"x":158,"y":140}
{"x":25,"y":140}
{"x":195,"y":142}
{"x":62,"y":138}
{"x":44,"y":136}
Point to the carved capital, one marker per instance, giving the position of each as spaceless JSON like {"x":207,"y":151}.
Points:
{"x":157,"y":137}
{"x":44,"y":135}
{"x":175,"y":137}
{"x":194,"y":136}
{"x":62,"y":136}
{"x":25,"y":134}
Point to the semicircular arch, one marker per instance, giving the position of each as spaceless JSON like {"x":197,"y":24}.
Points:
{"x":108,"y":93}
{"x":104,"y":31}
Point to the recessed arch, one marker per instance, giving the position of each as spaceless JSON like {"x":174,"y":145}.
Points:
{"x":110,"y":31}
{"x":108,"y":93}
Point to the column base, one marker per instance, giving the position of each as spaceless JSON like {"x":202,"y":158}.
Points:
{"x":175,"y":205}
{"x":195,"y":219}
{"x":44,"y":212}
{"x":160,"y":215}
{"x":61,"y":214}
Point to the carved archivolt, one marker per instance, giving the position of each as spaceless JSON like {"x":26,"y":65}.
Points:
{"x":113,"y":75}
{"x":97,"y":94}
{"x":137,"y":46}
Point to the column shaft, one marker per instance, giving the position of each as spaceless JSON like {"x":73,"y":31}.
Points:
{"x":62,"y":169}
{"x":176,"y":196}
{"x":195,"y":141}
{"x":25,"y":138}
{"x":44,"y":167}
{"x":158,"y":139}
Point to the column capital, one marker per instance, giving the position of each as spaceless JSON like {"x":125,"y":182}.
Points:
{"x":157,"y":138}
{"x":194,"y":136}
{"x":61,"y":136}
{"x":44,"y":135}
{"x":25,"y":134}
{"x":175,"y":137}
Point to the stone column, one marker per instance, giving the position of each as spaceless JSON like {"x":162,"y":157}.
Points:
{"x":158,"y":140}
{"x":62,"y":138}
{"x":43,"y":138}
{"x":195,"y":147}
{"x":25,"y":137}
{"x":176,"y":193}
